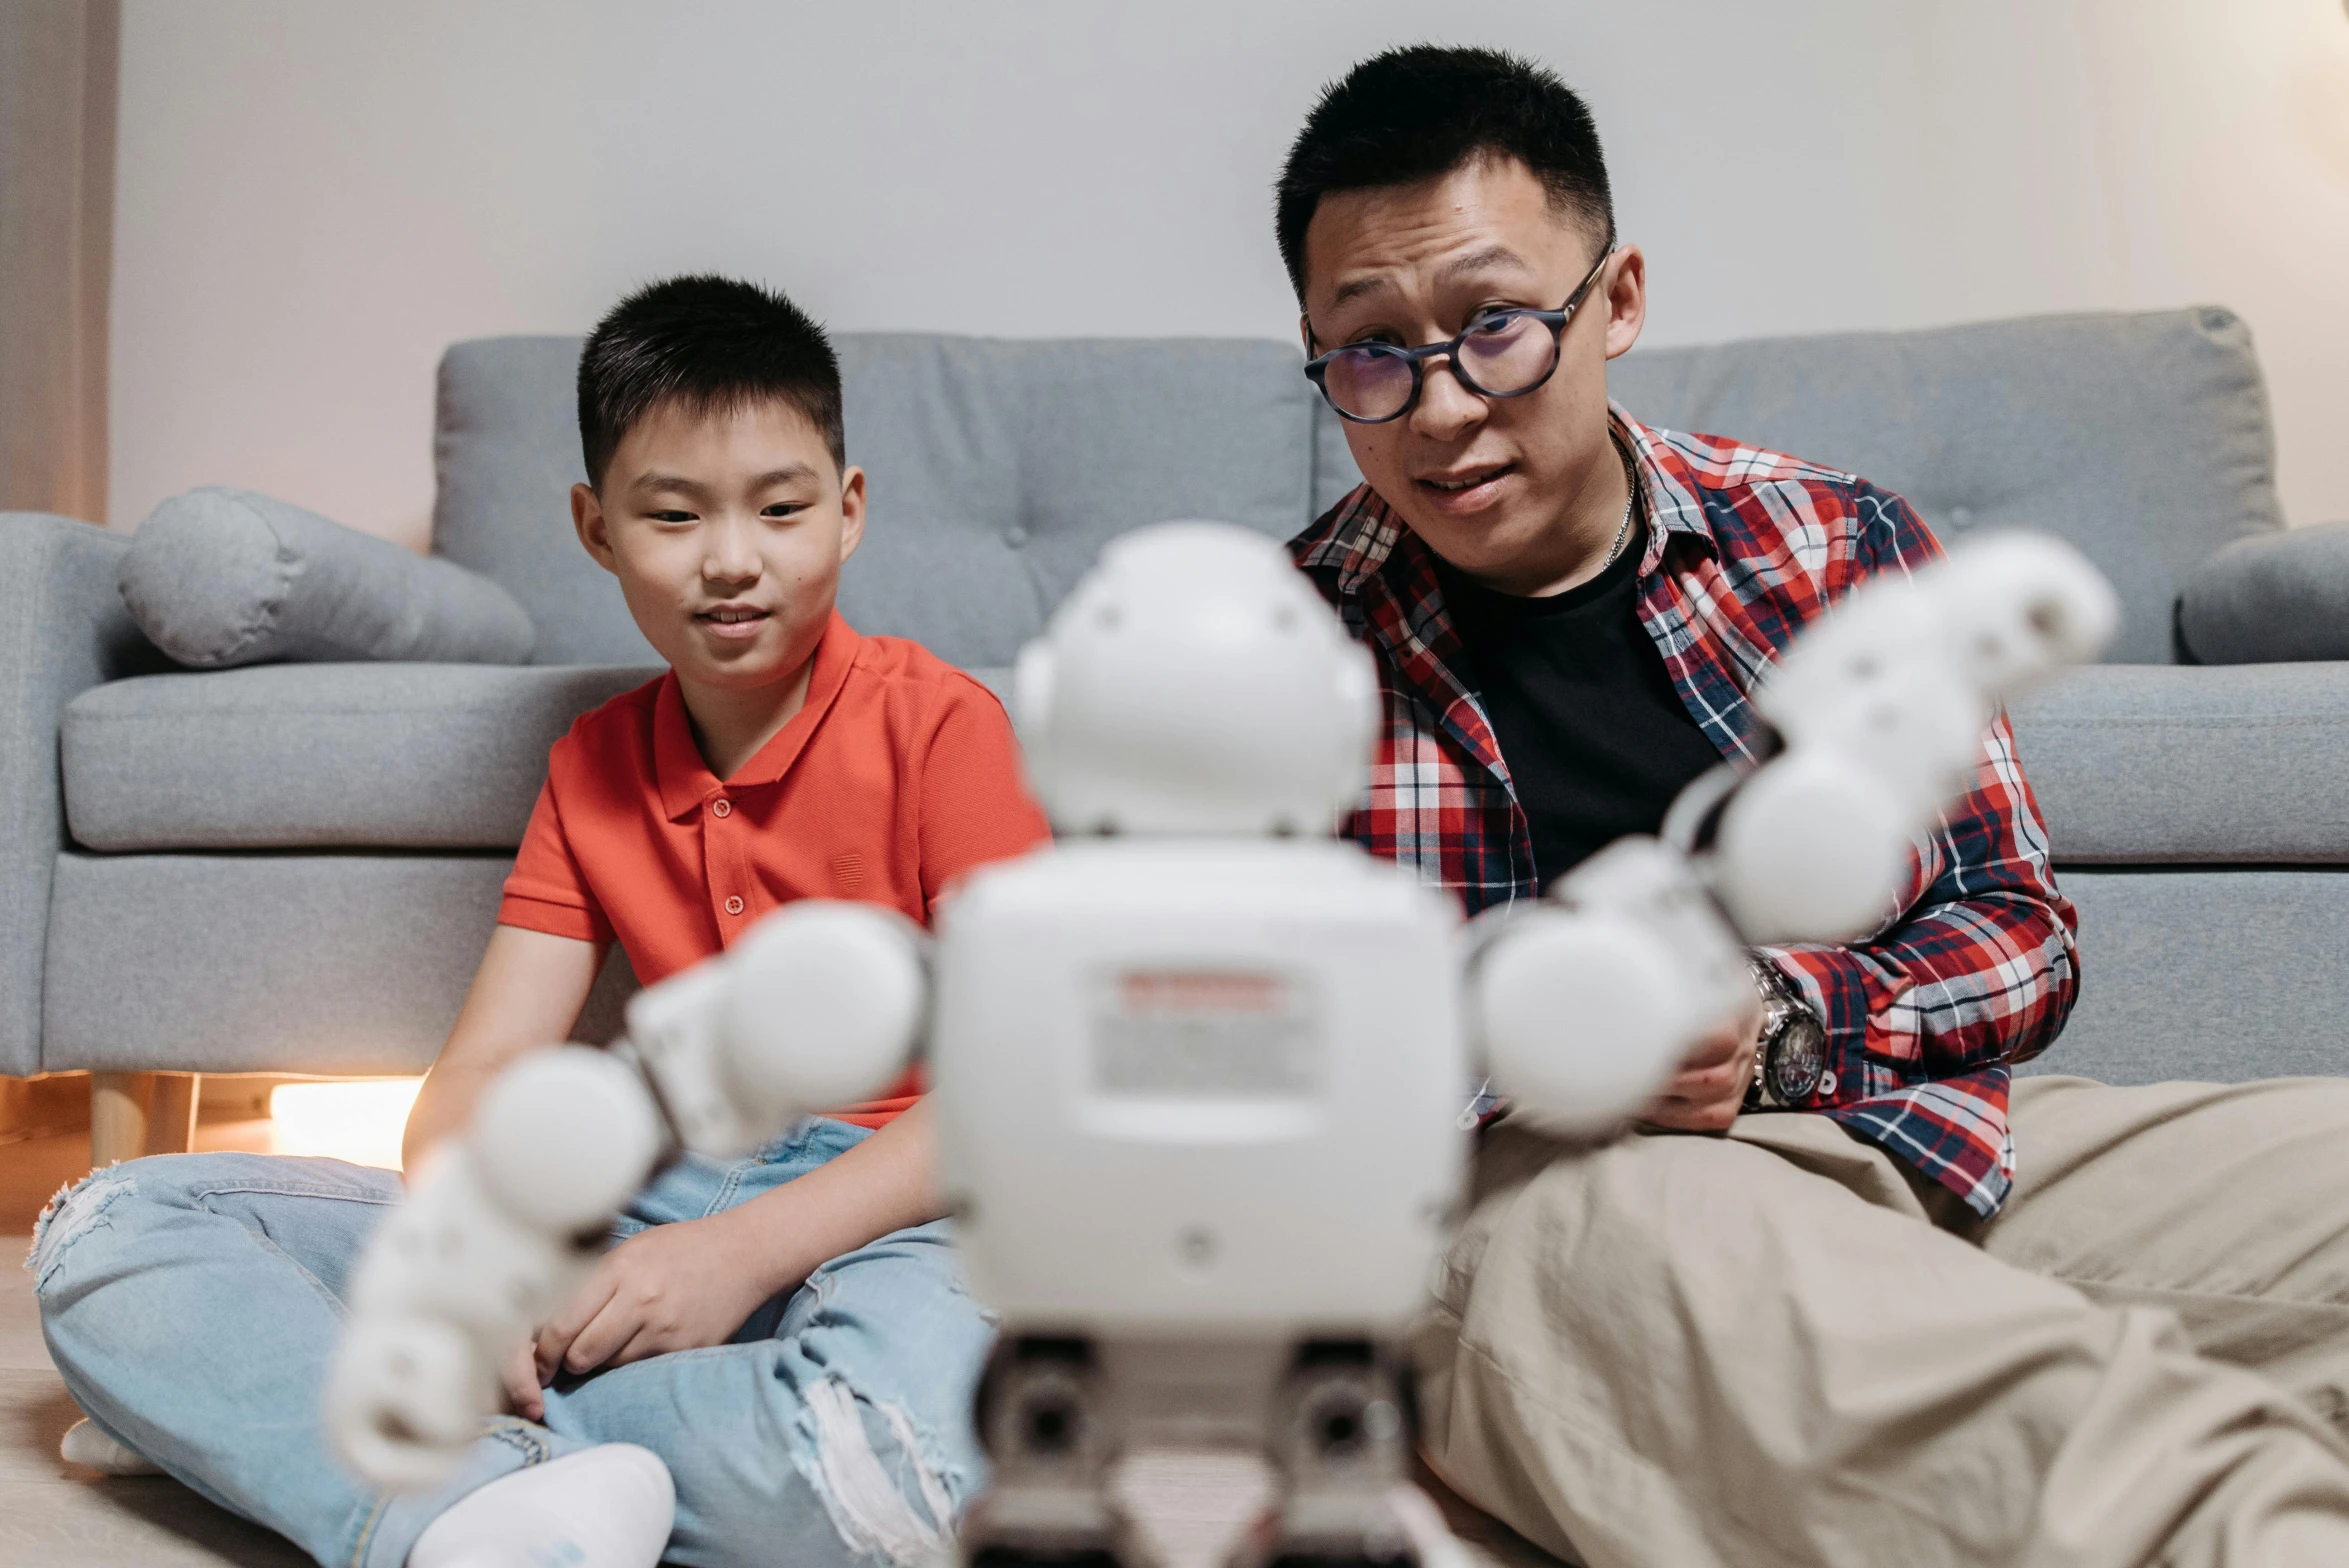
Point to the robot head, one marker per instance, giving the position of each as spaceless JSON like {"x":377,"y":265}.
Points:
{"x":1195,"y":684}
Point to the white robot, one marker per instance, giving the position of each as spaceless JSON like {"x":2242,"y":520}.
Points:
{"x":1198,"y":1067}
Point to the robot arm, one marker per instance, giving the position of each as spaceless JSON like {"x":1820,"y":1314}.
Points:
{"x":499,"y":1227}
{"x":1585,"y":1006}
{"x":819,"y":1005}
{"x":1881,"y":709}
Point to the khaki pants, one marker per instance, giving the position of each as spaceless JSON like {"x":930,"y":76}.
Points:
{"x":1779,"y":1347}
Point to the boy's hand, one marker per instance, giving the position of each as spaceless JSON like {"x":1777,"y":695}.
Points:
{"x":691,"y":1284}
{"x":524,"y":1393}
{"x":674,"y":1287}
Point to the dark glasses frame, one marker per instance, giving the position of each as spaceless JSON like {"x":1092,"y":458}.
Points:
{"x":1317,"y":368}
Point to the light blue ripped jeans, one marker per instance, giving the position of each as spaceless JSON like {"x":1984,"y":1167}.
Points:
{"x":192,"y":1302}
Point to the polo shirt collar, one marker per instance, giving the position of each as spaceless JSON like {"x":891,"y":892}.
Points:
{"x":686,"y":781}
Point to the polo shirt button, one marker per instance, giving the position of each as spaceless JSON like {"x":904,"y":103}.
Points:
{"x":1015,"y":536}
{"x":721,"y":807}
{"x":734,"y":905}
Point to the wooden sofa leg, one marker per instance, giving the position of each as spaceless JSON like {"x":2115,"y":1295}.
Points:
{"x":141,"y":1113}
{"x":171,"y":1120}
{"x":119,"y":1107}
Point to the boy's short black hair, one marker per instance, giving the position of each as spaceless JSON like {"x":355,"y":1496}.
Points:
{"x":710,"y":343}
{"x":1413,"y":114}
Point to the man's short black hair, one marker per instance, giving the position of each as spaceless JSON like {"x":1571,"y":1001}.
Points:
{"x":1417,"y":113}
{"x":712,"y":344}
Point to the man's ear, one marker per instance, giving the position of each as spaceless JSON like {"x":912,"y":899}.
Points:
{"x":1305,"y":332}
{"x":852,"y":510}
{"x":1627,"y":301}
{"x":587,"y":518}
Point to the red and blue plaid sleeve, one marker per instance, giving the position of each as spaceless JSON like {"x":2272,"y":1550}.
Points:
{"x":1978,"y":971}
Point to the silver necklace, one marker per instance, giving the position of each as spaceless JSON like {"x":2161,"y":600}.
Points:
{"x":1623,"y":529}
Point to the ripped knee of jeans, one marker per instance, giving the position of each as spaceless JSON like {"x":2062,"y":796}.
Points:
{"x":70,"y":1215}
{"x":888,"y":1496}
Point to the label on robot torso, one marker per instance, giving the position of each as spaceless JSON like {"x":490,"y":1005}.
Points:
{"x":1204,"y":1034}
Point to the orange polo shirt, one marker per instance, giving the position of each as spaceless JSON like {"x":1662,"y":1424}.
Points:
{"x":899,"y":775}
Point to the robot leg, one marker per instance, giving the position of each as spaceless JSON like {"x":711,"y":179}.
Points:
{"x":1342,"y":1431}
{"x":1061,"y":1417}
{"x":1049,"y":1428}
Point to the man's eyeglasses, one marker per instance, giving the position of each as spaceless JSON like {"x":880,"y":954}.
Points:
{"x":1502,"y":353}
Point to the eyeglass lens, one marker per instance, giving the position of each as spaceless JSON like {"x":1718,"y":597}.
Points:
{"x":1504,"y":354}
{"x":1367,"y":383}
{"x":1508,"y":353}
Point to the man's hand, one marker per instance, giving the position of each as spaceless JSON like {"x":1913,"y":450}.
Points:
{"x":673,"y":1287}
{"x":1712,"y":1082}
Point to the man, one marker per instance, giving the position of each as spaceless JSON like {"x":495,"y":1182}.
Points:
{"x":1850,"y":1295}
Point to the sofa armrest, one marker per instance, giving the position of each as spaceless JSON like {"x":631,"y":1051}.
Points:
{"x":63,"y":629}
{"x":2274,"y":598}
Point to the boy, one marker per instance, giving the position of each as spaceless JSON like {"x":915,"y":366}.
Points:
{"x":190,"y":1301}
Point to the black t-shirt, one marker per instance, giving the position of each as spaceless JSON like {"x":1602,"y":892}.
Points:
{"x":1596,"y":738}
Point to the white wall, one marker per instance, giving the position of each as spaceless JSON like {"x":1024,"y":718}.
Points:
{"x":315,"y":198}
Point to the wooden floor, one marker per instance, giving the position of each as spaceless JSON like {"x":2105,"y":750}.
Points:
{"x":53,"y":1515}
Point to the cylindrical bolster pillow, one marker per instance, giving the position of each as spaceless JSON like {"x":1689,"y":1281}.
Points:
{"x":219,"y":577}
{"x":2271,"y":599}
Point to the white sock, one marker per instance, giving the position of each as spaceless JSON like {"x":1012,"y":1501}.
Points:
{"x":84,"y":1444}
{"x":609,"y":1506}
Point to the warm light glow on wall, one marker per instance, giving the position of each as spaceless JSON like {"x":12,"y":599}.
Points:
{"x":359,"y":1122}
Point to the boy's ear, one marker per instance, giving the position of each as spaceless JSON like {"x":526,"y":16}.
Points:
{"x":852,"y":510}
{"x":587,"y":516}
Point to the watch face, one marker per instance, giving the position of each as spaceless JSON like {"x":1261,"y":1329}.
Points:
{"x":1798,"y":1059}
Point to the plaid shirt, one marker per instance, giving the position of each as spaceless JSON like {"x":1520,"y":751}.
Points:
{"x":1744,"y":548}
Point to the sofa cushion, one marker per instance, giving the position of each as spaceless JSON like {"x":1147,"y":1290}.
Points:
{"x":273,"y":963}
{"x":2270,"y":597}
{"x":998,"y":468}
{"x":1334,"y":469}
{"x":2143,"y":439}
{"x":418,"y":756}
{"x":221,"y":577}
{"x":2240,"y":762}
{"x":2208,"y":973}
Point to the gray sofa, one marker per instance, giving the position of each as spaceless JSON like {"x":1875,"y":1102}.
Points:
{"x":293,"y":868}
{"x":2197,"y":812}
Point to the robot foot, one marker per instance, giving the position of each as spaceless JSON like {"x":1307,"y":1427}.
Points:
{"x":1395,"y":1528}
{"x":1031,"y":1554}
{"x":1157,"y":1454}
{"x":1041,"y":1419}
{"x":1342,"y":1438}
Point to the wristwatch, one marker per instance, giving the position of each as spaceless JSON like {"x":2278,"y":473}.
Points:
{"x":1791,"y":1061}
